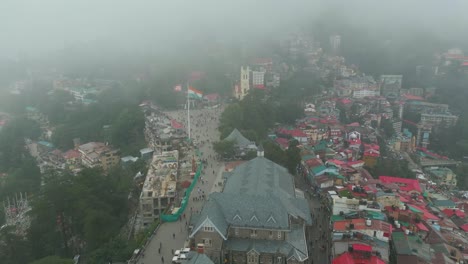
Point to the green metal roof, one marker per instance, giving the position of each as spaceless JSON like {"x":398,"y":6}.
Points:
{"x":444,"y":203}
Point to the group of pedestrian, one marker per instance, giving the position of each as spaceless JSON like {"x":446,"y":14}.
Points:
{"x":204,"y":128}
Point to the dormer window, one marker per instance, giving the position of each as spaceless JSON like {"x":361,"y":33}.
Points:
{"x":237,"y":217}
{"x":254,"y":218}
{"x":271,"y":219}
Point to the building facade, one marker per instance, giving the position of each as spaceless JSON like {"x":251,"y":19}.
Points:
{"x":159,"y":189}
{"x":98,"y":154}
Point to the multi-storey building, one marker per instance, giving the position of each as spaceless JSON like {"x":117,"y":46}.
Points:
{"x":335,"y":42}
{"x":159,"y":189}
{"x":425,"y":107}
{"x":269,"y":223}
{"x":258,"y":79}
{"x":390,"y":85}
{"x":98,"y":154}
{"x":439,"y":119}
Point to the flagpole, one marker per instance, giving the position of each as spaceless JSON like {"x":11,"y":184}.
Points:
{"x":188,"y":111}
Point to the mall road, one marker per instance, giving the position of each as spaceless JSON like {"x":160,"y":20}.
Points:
{"x":172,"y":236}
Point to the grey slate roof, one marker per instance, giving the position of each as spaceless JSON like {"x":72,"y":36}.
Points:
{"x":239,"y":139}
{"x":257,"y":194}
{"x":200,"y":259}
{"x":260,"y":177}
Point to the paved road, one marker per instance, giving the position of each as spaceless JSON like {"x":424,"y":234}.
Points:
{"x":320,"y":235}
{"x":172,"y":236}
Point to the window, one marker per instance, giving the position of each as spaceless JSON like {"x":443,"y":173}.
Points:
{"x":271,"y":234}
{"x":207,"y":242}
{"x":208,"y":229}
{"x":252,"y":258}
{"x":236,"y":231}
{"x":279,"y":260}
{"x":279,"y":234}
{"x":253,"y":233}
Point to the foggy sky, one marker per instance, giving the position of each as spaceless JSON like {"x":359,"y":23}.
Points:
{"x":41,"y":26}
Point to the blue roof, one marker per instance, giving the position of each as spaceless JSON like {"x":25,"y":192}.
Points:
{"x":46,"y":144}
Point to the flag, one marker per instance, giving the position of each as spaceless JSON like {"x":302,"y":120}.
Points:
{"x":194,"y":93}
{"x":178,"y":88}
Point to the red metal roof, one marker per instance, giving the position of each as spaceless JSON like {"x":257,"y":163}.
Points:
{"x":349,"y":258}
{"x":451,"y":212}
{"x":71,"y":154}
{"x":413,"y":97}
{"x":362,"y":247}
{"x":176,"y":125}
{"x":464,"y":227}
{"x":406,"y":185}
{"x":422,"y":227}
{"x":283,"y":142}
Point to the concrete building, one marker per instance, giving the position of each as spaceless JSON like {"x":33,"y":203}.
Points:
{"x":442,"y":175}
{"x":425,"y":107}
{"x":397,"y":124}
{"x":335,"y":42}
{"x":98,"y":154}
{"x":390,"y":85}
{"x":365,"y":93}
{"x":409,"y":249}
{"x":445,"y":120}
{"x":416,"y":91}
{"x":159,"y":189}
{"x":268,"y":223}
{"x":258,"y":79}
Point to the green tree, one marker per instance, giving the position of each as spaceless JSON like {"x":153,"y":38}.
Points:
{"x":52,"y":260}
{"x":13,"y":248}
{"x":225,"y":148}
{"x":387,"y":127}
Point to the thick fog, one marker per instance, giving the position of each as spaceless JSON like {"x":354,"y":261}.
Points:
{"x":38,"y":27}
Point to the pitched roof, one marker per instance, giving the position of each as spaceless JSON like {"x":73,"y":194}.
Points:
{"x":348,"y":258}
{"x":450,"y":212}
{"x":268,"y":199}
{"x":71,"y":154}
{"x":404,"y":183}
{"x":411,"y":245}
{"x":239,"y":139}
{"x":445,"y":203}
{"x":200,"y":259}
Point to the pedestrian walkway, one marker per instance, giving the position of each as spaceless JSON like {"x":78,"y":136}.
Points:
{"x":173,"y":236}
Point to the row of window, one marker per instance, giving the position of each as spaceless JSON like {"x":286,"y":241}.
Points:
{"x":252,"y":258}
{"x":253,"y":232}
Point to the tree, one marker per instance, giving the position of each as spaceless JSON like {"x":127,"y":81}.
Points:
{"x":13,"y":248}
{"x":387,"y":127}
{"x":232,"y":117}
{"x":225,"y":148}
{"x":53,"y":260}
{"x":293,"y":156}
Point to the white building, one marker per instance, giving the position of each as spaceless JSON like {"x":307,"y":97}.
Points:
{"x":365,"y":93}
{"x":335,"y":42}
{"x":258,"y":79}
